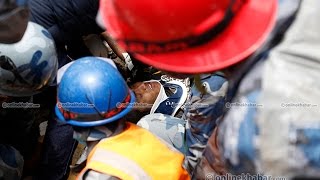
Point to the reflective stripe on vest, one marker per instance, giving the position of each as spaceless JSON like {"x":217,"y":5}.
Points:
{"x":121,"y":163}
{"x":136,"y":154}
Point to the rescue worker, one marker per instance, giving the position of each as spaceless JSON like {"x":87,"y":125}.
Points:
{"x":26,"y":68}
{"x":238,"y":37}
{"x":94,"y":99}
{"x":68,"y":21}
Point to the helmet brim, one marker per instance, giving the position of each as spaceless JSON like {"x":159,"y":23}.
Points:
{"x":75,"y":122}
{"x":244,"y":35}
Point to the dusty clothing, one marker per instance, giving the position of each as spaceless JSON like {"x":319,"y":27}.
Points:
{"x":290,"y":94}
{"x":170,"y":129}
{"x":202,"y":116}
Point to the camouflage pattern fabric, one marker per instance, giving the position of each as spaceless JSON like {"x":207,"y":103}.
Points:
{"x":290,"y":122}
{"x":272,"y":127}
{"x":202,"y":114}
{"x":168,"y":128}
{"x":238,"y":131}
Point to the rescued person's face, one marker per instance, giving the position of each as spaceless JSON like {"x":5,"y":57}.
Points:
{"x":146,"y":93}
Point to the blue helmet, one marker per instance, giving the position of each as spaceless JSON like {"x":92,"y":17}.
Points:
{"x":91,"y":93}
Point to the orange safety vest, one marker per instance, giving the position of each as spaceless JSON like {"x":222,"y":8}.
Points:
{"x":136,"y":154}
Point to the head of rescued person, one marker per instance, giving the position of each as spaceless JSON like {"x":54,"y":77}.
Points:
{"x":94,"y":98}
{"x":157,"y":96}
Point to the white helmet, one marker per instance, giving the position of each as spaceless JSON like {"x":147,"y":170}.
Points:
{"x":29,"y":65}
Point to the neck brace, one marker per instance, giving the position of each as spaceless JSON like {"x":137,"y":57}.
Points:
{"x":170,"y":104}
{"x":160,"y":98}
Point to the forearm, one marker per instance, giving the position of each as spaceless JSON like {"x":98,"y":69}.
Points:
{"x":113,"y":45}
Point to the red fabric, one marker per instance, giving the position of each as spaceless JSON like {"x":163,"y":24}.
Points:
{"x":110,"y":113}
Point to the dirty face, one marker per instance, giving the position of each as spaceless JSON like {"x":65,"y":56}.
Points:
{"x":146,"y":93}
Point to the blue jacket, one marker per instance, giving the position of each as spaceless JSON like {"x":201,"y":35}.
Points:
{"x":67,"y":21}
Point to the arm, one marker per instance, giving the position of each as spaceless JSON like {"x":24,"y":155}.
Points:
{"x":113,"y":45}
{"x":202,"y":115}
{"x":76,"y":47}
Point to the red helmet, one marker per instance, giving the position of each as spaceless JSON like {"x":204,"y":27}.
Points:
{"x":189,"y":36}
